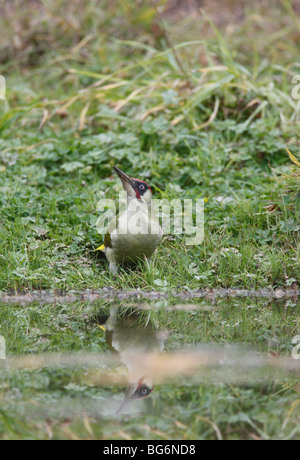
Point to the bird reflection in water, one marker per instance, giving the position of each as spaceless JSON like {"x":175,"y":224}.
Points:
{"x":132,"y":334}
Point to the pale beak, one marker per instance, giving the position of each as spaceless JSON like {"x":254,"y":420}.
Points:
{"x":128,"y":398}
{"x":124,"y":178}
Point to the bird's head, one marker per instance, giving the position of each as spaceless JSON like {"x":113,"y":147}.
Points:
{"x":138,"y":390}
{"x":135,"y":188}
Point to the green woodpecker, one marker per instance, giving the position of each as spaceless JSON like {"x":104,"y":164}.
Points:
{"x":133,"y":336}
{"x":135,"y":233}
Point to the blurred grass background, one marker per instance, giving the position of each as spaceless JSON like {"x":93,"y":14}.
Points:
{"x":192,"y":96}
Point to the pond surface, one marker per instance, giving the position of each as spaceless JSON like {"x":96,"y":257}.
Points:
{"x":166,"y":368}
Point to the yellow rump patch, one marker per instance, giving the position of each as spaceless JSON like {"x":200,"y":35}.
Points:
{"x":101,"y":248}
{"x":101,"y":327}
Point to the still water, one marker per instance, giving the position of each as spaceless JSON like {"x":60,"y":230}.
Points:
{"x":221,"y":368}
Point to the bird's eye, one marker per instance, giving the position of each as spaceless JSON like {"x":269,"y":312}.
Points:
{"x":142,"y":187}
{"x":144,"y":391}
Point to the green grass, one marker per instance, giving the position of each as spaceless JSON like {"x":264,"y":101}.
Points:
{"x":199,"y":109}
{"x":216,"y":132}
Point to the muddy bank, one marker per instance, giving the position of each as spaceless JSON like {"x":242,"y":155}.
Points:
{"x":44,"y":297}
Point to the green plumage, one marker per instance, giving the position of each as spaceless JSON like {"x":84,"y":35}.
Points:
{"x":107,"y":240}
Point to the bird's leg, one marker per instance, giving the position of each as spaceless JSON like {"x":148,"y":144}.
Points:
{"x":113,"y":268}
